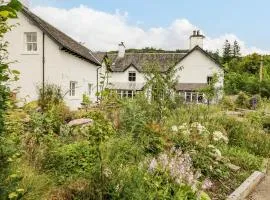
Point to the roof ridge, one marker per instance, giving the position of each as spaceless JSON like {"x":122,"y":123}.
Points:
{"x":36,"y":19}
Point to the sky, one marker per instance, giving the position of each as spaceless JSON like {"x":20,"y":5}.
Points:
{"x":166,"y":24}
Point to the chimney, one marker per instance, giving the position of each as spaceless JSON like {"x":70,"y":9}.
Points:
{"x":121,"y":50}
{"x":196,"y":39}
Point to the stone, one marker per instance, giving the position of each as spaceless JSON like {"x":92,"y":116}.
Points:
{"x":80,"y":122}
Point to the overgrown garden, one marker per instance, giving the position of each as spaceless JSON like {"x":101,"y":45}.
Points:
{"x":131,"y":148}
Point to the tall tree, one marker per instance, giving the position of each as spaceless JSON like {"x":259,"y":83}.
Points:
{"x":236,"y":50}
{"x":227,"y":52}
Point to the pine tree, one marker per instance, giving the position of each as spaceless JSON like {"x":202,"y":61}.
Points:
{"x":236,"y":50}
{"x":227,"y":52}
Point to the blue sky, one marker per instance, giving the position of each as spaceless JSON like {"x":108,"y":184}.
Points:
{"x":247,"y":19}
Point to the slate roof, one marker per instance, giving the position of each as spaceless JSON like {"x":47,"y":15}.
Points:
{"x":140,"y":60}
{"x":190,"y":86}
{"x":65,"y":42}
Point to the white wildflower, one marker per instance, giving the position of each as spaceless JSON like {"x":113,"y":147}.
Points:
{"x":219,"y":136}
{"x":153,"y":165}
{"x":207,"y":184}
{"x":216,"y":153}
{"x":183,"y":126}
{"x":174,"y":128}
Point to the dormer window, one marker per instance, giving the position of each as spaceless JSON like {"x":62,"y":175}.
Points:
{"x":132,"y":76}
{"x":30,"y":42}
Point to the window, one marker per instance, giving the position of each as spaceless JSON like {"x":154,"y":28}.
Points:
{"x":194,"y":97}
{"x":209,"y":79}
{"x":126,"y":93}
{"x":89,"y":89}
{"x":31,"y":42}
{"x":132,"y":76}
{"x":72,"y":88}
{"x":188,"y":97}
{"x":200,"y":98}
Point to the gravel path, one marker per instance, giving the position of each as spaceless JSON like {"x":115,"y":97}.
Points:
{"x":262,"y":191}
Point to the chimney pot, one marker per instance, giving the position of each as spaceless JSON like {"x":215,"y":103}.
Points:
{"x":198,"y":32}
{"x":194,"y":32}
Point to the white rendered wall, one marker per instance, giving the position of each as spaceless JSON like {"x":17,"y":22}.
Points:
{"x":60,"y":67}
{"x":196,"y":41}
{"x":197,"y":67}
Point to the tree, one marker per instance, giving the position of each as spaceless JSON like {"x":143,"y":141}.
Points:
{"x":161,"y":85}
{"x":210,"y":91}
{"x":227,"y":52}
{"x":236,"y":50}
{"x":7,"y":10}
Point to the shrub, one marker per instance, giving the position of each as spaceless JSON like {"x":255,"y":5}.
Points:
{"x":50,"y":95}
{"x":242,"y":100}
{"x":243,"y":135}
{"x":242,"y":158}
{"x":71,"y":160}
{"x":227,"y":103}
{"x":51,"y":120}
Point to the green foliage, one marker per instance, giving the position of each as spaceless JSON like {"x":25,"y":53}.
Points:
{"x":242,"y":158}
{"x":242,"y":100}
{"x":227,"y":103}
{"x":210,"y":91}
{"x":71,"y":160}
{"x":50,"y":95}
{"x":86,"y":101}
{"x":242,"y":134}
{"x":161,"y":86}
{"x":6,"y":11}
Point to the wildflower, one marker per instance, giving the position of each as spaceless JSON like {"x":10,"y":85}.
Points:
{"x":174,"y":128}
{"x":164,"y":160}
{"x":183,"y":126}
{"x":107,"y":172}
{"x":194,"y":124}
{"x":218,"y":136}
{"x":186,"y":132}
{"x":216,"y":153}
{"x":153,"y":165}
{"x":207,"y":184}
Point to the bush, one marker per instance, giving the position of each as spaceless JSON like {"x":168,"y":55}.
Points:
{"x":242,"y":100}
{"x":71,"y":160}
{"x":242,"y":158}
{"x":243,"y":135}
{"x":50,"y":95}
{"x":227,"y":103}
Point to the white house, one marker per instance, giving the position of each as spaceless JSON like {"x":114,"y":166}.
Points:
{"x":43,"y":54}
{"x":195,"y":69}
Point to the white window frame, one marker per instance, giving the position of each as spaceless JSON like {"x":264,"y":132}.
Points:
{"x":33,"y":42}
{"x":133,"y":77}
{"x":72,"y":88}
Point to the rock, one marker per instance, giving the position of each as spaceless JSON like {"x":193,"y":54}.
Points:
{"x":79,"y":122}
{"x":233,"y":167}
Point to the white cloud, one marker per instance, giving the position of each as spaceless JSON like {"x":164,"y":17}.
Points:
{"x":103,"y":31}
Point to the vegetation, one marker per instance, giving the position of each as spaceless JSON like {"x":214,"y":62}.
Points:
{"x":137,"y":148}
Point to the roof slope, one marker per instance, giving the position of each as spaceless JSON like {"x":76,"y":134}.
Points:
{"x":65,"y":42}
{"x":140,"y":60}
